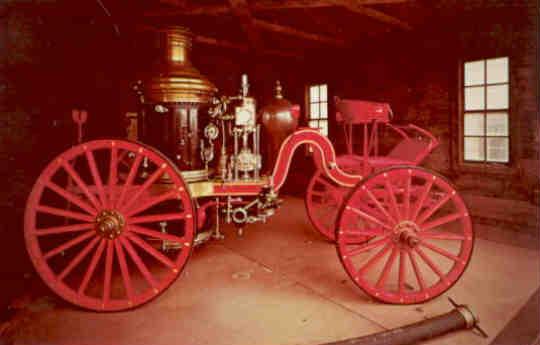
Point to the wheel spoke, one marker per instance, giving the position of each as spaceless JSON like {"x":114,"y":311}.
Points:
{"x":367,"y":246}
{"x":407,"y":195}
{"x":132,"y":173}
{"x":63,"y":229}
{"x":95,"y":175}
{"x":350,"y":237}
{"x":442,"y":235}
{"x":69,"y":244}
{"x":91,"y":267}
{"x":113,"y":172}
{"x":317,"y":193}
{"x":158,"y":218}
{"x":150,"y":250}
{"x":430,"y":263}
{"x":124,"y":270}
{"x":402,"y":271}
{"x":157,"y":174}
{"x":440,"y":251}
{"x":326,"y":212}
{"x":429,"y":212}
{"x":150,"y":202}
{"x":78,"y":258}
{"x":108,"y":272}
{"x":80,"y":183}
{"x":421,"y":200}
{"x":325,"y":183}
{"x":390,"y":192}
{"x":441,"y":221}
{"x":63,"y":213}
{"x":417,"y":271}
{"x":156,"y":234}
{"x":140,"y":264}
{"x":387,"y":267}
{"x":70,"y":197}
{"x":122,"y":156}
{"x":368,"y":217}
{"x":378,"y":205}
{"x":376,"y":258}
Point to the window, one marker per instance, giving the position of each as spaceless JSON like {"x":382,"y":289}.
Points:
{"x":318,"y":107}
{"x":486,"y":105}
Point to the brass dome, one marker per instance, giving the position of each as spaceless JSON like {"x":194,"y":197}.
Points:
{"x":177,"y":80}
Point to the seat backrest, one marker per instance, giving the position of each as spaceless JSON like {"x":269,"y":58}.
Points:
{"x":411,"y":150}
{"x":356,"y":111}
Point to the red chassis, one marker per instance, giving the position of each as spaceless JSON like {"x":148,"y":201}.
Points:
{"x":103,"y":216}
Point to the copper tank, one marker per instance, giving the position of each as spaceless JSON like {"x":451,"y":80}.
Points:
{"x":173,"y":101}
{"x":279,"y":119}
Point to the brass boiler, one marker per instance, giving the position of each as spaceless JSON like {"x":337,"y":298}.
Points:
{"x":173,"y":102}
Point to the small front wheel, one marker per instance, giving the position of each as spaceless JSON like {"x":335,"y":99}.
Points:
{"x":421,"y":236}
{"x":324,"y":196}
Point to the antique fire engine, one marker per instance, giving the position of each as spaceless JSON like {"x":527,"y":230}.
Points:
{"x":109,"y":206}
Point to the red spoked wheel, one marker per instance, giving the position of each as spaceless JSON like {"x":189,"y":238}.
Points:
{"x":324,"y":197}
{"x":421,"y":235}
{"x":98,"y":221}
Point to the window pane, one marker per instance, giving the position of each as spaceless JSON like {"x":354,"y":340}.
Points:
{"x":497,"y":70}
{"x":497,"y":124}
{"x":474,"y":124}
{"x":474,"y":149}
{"x":324,"y":110}
{"x":324,"y":127}
{"x":474,"y":98}
{"x":314,"y":94}
{"x":314,"y":113}
{"x":323,"y":93}
{"x":497,"y":150}
{"x":474,"y":73}
{"x":313,"y":124}
{"x":497,"y":97}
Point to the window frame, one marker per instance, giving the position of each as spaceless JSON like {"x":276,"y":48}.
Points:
{"x":309,"y":103}
{"x":490,"y":167}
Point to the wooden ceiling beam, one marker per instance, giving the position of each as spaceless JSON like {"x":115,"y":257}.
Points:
{"x":382,"y":17}
{"x":290,"y":31}
{"x":266,"y":5}
{"x":240,"y":9}
{"x":263,"y":5}
{"x":210,"y":10}
{"x":242,"y":47}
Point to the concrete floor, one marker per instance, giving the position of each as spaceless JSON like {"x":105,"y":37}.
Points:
{"x":281,"y":284}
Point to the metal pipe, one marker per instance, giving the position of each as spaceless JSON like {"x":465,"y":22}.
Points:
{"x":461,"y":317}
{"x":235,"y":161}
{"x":256,"y":136}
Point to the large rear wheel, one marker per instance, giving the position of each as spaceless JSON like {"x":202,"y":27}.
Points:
{"x":421,"y":235}
{"x":97,"y":221}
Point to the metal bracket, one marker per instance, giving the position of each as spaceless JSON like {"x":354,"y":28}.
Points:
{"x":471,"y":319}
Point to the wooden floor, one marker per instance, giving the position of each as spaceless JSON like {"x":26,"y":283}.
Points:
{"x":280,"y":283}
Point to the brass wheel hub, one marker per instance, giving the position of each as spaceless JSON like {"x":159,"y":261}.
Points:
{"x":109,"y":224}
{"x":405,"y":233}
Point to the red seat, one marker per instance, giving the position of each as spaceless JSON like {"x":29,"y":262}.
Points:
{"x":354,"y":111}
